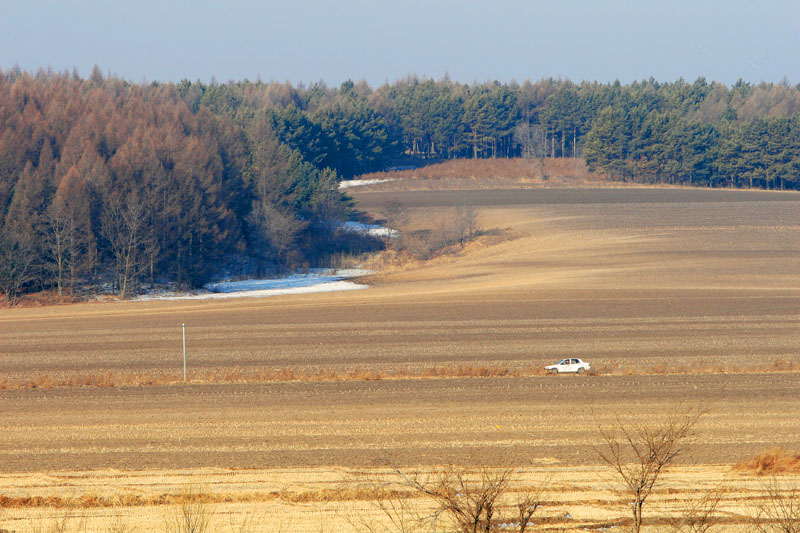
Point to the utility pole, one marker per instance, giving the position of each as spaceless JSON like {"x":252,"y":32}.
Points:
{"x":184,"y":351}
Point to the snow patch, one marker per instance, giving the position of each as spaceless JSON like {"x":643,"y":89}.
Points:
{"x":370,"y":229}
{"x":356,"y":183}
{"x":317,"y":280}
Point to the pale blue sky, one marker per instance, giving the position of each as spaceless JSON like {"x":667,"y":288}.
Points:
{"x":383,"y":41}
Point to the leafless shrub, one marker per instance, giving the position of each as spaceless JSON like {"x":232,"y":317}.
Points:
{"x":456,"y":227}
{"x":396,"y":215}
{"x":191,"y":515}
{"x":466,"y":222}
{"x":638,"y":453}
{"x":699,"y":516}
{"x":120,"y":525}
{"x":249,"y":524}
{"x":780,"y":509}
{"x":398,"y":512}
{"x":475,"y":501}
{"x":68,"y":521}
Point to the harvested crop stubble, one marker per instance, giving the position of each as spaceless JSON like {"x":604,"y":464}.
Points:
{"x":576,"y":498}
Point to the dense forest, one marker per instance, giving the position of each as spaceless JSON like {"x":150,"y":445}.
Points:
{"x":108,"y":182}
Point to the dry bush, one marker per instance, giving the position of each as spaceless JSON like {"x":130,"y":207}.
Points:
{"x":772,"y":461}
{"x":638,"y":453}
{"x":779,"y":510}
{"x":69,"y":521}
{"x":120,"y":525}
{"x":395,"y":215}
{"x":191,"y":515}
{"x":698,"y":516}
{"x":398,"y":514}
{"x":251,"y":523}
{"x":472,"y":501}
{"x":454,"y":227}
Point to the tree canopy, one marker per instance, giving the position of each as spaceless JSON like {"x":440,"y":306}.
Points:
{"x":176,"y":181}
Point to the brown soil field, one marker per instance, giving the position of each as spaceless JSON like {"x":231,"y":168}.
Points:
{"x":677,"y":297}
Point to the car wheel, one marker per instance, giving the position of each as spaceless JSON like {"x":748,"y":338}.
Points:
{"x":581,"y":370}
{"x":554,"y":371}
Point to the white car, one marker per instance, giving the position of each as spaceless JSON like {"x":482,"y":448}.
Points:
{"x":572,"y":365}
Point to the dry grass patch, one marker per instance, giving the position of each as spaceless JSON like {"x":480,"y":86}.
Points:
{"x":306,"y":375}
{"x":93,"y":501}
{"x":486,"y":173}
{"x":773,"y":461}
{"x":203,"y":497}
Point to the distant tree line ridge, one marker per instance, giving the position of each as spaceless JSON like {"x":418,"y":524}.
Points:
{"x":176,"y":181}
{"x":695,"y":133}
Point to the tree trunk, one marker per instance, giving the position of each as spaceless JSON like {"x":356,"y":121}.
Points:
{"x":574,"y":141}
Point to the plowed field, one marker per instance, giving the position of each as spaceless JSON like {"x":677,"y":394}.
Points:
{"x":677,"y":297}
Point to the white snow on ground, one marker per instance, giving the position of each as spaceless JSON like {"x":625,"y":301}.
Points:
{"x":318,"y":280}
{"x":355,"y":183}
{"x":370,"y":229}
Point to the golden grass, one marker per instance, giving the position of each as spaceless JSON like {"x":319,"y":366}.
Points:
{"x":773,"y":461}
{"x":575,"y":499}
{"x":492,"y":172}
{"x":92,"y":500}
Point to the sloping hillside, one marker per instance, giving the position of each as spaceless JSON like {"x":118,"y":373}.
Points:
{"x":490,"y":173}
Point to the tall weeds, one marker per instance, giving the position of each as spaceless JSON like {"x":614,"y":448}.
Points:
{"x":191,"y":515}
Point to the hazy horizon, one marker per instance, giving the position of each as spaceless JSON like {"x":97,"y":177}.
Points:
{"x":322,"y":40}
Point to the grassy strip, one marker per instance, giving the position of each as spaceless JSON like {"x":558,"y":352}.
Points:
{"x":290,"y":374}
{"x":90,"y":501}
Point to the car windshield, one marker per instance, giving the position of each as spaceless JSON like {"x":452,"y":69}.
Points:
{"x":564,"y":362}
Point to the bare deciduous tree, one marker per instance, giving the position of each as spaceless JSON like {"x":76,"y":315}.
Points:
{"x":532,"y":140}
{"x":457,"y":226}
{"x":18,"y":264}
{"x":66,"y":230}
{"x":274,"y":232}
{"x":396,"y":215}
{"x":59,"y":229}
{"x":123,"y":225}
{"x":638,"y":453}
{"x":466,"y":221}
